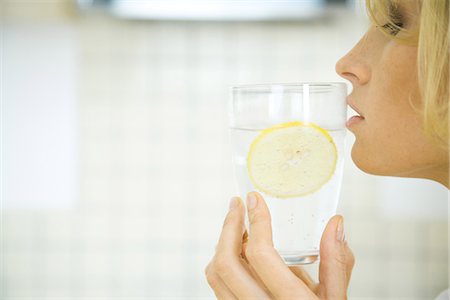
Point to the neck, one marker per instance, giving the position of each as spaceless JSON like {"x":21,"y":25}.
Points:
{"x":437,"y":173}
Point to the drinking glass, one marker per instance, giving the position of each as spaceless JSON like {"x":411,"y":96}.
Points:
{"x":297,"y":222}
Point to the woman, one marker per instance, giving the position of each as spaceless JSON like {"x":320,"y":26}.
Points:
{"x":400,"y":76}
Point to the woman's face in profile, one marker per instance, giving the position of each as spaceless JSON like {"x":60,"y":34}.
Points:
{"x":383,"y":73}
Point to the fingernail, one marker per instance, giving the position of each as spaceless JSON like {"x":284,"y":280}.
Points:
{"x":234,"y":202}
{"x":340,"y":230}
{"x":251,"y":201}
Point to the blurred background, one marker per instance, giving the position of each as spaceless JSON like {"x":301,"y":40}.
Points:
{"x":116,"y":162}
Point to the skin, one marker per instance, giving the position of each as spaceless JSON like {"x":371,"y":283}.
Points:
{"x":383,"y":72}
{"x":247,"y":266}
{"x":389,"y":142}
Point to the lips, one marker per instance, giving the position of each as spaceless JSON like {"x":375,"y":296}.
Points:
{"x":356,"y":119}
{"x":350,"y":103}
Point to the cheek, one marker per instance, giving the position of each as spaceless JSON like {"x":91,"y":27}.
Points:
{"x":386,"y":144}
{"x":373,"y":148}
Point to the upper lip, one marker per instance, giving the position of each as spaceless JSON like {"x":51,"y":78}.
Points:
{"x":350,"y":103}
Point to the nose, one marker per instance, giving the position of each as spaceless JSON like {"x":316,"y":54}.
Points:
{"x":354,"y":66}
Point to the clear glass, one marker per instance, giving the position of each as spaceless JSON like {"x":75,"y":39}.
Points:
{"x":297,"y":222}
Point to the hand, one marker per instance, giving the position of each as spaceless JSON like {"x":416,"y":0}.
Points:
{"x":247,"y":266}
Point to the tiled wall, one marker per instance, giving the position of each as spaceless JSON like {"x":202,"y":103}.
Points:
{"x":155,"y":170}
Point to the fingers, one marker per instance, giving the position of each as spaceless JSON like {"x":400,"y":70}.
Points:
{"x":336,"y":260}
{"x":227,"y":262}
{"x":218,"y":286}
{"x":247,"y":265}
{"x":265,"y":259}
{"x":230,"y":239}
{"x":300,"y":272}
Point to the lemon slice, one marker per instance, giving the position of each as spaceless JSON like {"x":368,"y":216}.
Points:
{"x":291,"y":159}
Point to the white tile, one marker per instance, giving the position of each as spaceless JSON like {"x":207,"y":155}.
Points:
{"x":366,"y":280}
{"x":404,"y":234}
{"x":156,"y":172}
{"x":438,"y":236}
{"x":402,"y":278}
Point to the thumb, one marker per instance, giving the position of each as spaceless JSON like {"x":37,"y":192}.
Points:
{"x":336,"y":261}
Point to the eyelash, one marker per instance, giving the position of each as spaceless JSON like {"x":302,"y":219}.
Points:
{"x":392,"y":29}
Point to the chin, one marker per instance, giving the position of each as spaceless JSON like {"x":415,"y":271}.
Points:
{"x":368,"y":162}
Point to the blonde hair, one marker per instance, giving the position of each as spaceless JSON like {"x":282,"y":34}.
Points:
{"x":432,"y":39}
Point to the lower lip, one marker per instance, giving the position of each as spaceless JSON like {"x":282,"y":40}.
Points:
{"x":354,"y":120}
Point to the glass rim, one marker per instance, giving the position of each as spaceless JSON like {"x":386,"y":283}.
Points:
{"x":291,"y":84}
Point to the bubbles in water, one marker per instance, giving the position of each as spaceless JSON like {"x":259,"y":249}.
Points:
{"x":291,"y":218}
